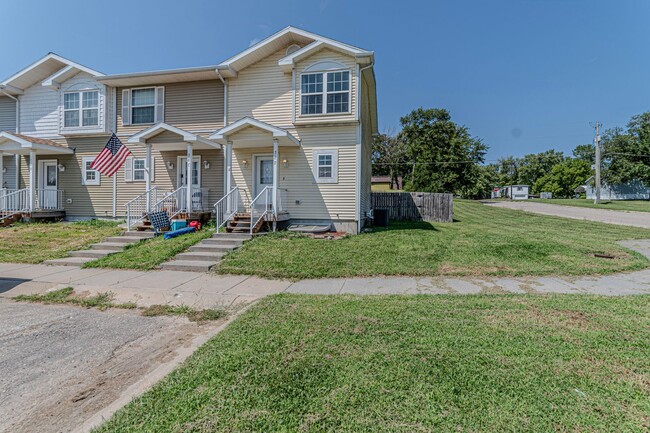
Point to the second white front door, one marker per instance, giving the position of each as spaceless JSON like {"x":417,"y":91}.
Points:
{"x":263,"y":173}
{"x":182,"y":172}
{"x":48,"y":185}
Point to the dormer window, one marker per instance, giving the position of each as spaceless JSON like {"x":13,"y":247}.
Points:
{"x":81,"y":109}
{"x":325,"y":92}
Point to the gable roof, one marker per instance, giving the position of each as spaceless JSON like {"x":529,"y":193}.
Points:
{"x":146,"y":134}
{"x":249,"y":122}
{"x":279,"y":40}
{"x":50,"y":66}
{"x":18,"y":143}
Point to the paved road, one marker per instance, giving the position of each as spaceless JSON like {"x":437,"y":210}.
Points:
{"x":636,"y":219}
{"x":60,"y":365}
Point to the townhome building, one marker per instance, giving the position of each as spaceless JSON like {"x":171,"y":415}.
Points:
{"x":281,"y":132}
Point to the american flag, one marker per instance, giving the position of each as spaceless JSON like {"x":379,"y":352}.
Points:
{"x":112,"y":157}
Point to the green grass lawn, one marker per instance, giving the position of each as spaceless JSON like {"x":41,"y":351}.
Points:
{"x":148,"y":254}
{"x":37,"y":242}
{"x":496,"y":363}
{"x":484,"y":241}
{"x":626,"y":205}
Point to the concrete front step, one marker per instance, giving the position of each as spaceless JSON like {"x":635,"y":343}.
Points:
{"x":201,"y":255}
{"x":223,"y":241}
{"x":69,"y":261}
{"x":93,"y":254}
{"x":113,"y":246}
{"x":123,"y":239}
{"x":141,"y":235}
{"x":207,"y":248}
{"x":188,"y":265}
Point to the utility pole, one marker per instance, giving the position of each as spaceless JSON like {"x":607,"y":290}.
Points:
{"x":597,"y":145}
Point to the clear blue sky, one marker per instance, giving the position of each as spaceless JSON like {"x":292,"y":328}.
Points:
{"x":524,"y":75}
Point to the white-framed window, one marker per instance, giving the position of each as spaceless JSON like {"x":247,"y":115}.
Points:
{"x":88,"y":175}
{"x":325,"y":92}
{"x":135,"y":171}
{"x":325,"y":165}
{"x":143,"y":106}
{"x":81,"y":109}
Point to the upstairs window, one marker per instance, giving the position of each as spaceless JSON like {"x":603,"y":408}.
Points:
{"x":143,"y":105}
{"x":81,"y":109}
{"x":325,"y":92}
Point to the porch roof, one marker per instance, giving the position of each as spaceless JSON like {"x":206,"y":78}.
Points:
{"x":19,"y":144}
{"x":262,"y":130}
{"x":168,"y":137}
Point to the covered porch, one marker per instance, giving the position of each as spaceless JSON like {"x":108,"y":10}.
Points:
{"x":186,"y":197}
{"x":253,"y":160}
{"x":41,"y":197}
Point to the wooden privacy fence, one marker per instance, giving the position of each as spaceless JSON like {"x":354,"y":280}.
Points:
{"x":415,"y":206}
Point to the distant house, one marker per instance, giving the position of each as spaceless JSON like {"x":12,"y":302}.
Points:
{"x":496,"y":192}
{"x":519,"y":192}
{"x":384,"y":183}
{"x":634,"y":190}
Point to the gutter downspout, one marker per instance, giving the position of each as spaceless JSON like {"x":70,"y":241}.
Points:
{"x":359,"y":144}
{"x":225,"y":97}
{"x":16,"y":157}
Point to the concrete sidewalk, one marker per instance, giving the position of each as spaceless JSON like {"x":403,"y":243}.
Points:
{"x":209,"y":290}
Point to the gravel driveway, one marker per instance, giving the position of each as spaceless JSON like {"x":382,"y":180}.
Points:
{"x":60,"y":365}
{"x":636,"y":219}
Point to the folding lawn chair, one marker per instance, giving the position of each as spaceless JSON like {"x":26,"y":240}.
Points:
{"x":159,"y":220}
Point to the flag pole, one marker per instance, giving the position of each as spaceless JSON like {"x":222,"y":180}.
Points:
{"x":115,"y":196}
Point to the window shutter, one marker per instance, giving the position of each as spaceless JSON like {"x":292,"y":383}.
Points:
{"x":160,"y":104}
{"x":128,"y":169}
{"x":126,"y":107}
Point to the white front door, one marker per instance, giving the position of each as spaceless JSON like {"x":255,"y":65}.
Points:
{"x":48,"y":185}
{"x":195,"y":179}
{"x":263,"y":173}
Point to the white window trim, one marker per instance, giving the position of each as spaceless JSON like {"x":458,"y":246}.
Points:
{"x":129,"y":170}
{"x":157,"y":105}
{"x":143,"y":169}
{"x":84,"y":170}
{"x":335,"y":165}
{"x":325,"y":93}
{"x":80,"y":109}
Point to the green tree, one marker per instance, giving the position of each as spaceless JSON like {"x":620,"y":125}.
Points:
{"x":535,"y":165}
{"x":586,"y":152}
{"x":389,"y":157}
{"x":564,"y":178}
{"x":444,"y":156}
{"x":626,"y":151}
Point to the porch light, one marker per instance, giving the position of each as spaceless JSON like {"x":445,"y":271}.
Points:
{"x":170,"y":165}
{"x":244,"y":163}
{"x":61,"y":167}
{"x":206,"y":164}
{"x":4,"y":169}
{"x":285,"y":163}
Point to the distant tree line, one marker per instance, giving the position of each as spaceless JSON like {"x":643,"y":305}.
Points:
{"x":433,"y":154}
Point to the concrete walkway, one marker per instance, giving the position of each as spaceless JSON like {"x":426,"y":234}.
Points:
{"x":624,"y":218}
{"x":209,"y":290}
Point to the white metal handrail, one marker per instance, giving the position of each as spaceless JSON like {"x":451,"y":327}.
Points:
{"x":49,"y":199}
{"x":227,"y":207}
{"x":261,"y":205}
{"x":13,"y":201}
{"x":136,"y":209}
{"x":172,"y":202}
{"x":199,"y":198}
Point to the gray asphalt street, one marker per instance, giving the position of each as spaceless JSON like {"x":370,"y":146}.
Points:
{"x":61,"y":364}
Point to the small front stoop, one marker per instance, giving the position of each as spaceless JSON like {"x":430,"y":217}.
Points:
{"x":207,"y":253}
{"x":110,"y":245}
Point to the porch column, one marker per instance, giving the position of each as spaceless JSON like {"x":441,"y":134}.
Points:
{"x":2,"y":175}
{"x":147,"y":168}
{"x":188,"y":179}
{"x":228,"y":173}
{"x":32,"y":180}
{"x":275,"y":182}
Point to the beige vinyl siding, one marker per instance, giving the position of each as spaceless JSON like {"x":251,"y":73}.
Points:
{"x":335,"y":201}
{"x":262,"y":91}
{"x":7,"y":114}
{"x":9,"y":177}
{"x":321,"y":56}
{"x":23,"y":171}
{"x":192,"y":106}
